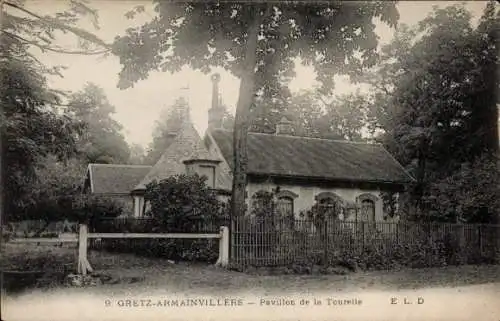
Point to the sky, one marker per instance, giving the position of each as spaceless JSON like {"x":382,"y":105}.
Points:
{"x":139,"y":107}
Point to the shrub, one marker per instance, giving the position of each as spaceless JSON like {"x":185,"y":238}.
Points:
{"x":182,"y":200}
{"x":184,"y":203}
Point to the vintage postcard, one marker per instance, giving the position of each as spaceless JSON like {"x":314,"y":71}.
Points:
{"x":249,"y":160}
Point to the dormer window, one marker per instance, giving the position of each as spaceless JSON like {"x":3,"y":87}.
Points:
{"x":203,"y":167}
{"x":209,"y":172}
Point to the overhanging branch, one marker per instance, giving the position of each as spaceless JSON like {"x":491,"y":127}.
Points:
{"x":57,"y":50}
{"x":53,"y":22}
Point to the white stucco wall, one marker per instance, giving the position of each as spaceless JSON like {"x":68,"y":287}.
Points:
{"x":306,"y":196}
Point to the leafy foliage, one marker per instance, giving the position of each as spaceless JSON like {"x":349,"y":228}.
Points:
{"x":31,"y":127}
{"x":137,"y":154}
{"x":182,"y":199}
{"x":435,"y":101}
{"x":56,"y":194}
{"x":263,"y":204}
{"x":204,"y":35}
{"x":471,"y":194}
{"x":25,"y":26}
{"x":101,"y":140}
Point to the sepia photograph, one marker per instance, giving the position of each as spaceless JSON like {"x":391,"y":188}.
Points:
{"x":249,"y":160}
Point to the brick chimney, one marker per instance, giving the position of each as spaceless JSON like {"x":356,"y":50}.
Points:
{"x":216,"y":111}
{"x":284,"y":127}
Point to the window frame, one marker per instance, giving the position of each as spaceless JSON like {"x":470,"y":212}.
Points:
{"x":213,"y":181}
{"x":291,"y":203}
{"x":336,"y":202}
{"x":368,"y":197}
{"x":371,"y":217}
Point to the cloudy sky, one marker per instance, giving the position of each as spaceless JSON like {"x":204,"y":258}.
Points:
{"x":137,"y":108}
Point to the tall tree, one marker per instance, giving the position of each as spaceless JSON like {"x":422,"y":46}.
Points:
{"x":137,"y":154}
{"x":435,"y":98}
{"x":257,"y":42}
{"x":268,"y":109}
{"x":341,"y":117}
{"x":102,"y":140}
{"x":315,"y":115}
{"x":31,"y":127}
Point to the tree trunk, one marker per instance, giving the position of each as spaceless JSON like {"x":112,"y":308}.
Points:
{"x":3,"y":207}
{"x":241,"y":123}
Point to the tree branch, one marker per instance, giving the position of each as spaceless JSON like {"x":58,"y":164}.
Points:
{"x":76,"y":31}
{"x":23,"y":10}
{"x":57,"y":50}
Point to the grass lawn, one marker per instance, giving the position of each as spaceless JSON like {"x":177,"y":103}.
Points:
{"x":452,"y":293}
{"x":138,"y":274}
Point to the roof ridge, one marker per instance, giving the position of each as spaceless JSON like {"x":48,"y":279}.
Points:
{"x":311,"y":138}
{"x":118,"y":165}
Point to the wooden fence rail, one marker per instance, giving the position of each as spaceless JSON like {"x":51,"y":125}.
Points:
{"x":84,"y":265}
{"x":83,"y":237}
{"x":272,"y":242}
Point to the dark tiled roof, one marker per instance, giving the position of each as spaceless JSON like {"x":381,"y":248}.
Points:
{"x":115,"y":179}
{"x":186,"y":145}
{"x":315,"y":158}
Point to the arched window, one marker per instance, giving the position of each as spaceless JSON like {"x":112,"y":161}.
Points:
{"x":367,"y":202}
{"x":329,"y":205}
{"x":285,"y":207}
{"x":284,"y":204}
{"x":368,"y":212}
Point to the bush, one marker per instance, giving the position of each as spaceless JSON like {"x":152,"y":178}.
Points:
{"x":182,"y":201}
{"x":179,"y":203}
{"x":90,"y":207}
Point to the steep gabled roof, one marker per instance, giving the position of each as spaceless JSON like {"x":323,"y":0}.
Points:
{"x":186,"y":145}
{"x":294,"y":156}
{"x":114,"y":178}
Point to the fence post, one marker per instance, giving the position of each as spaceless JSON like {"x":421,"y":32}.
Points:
{"x":83,"y":263}
{"x":461,"y":242}
{"x":397,"y":233}
{"x":325,"y":241}
{"x":223,"y":259}
{"x":364,"y":234}
{"x":231,"y":239}
{"x":82,"y":249}
{"x":480,"y":238}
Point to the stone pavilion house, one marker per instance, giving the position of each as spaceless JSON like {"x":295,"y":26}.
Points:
{"x":304,"y":171}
